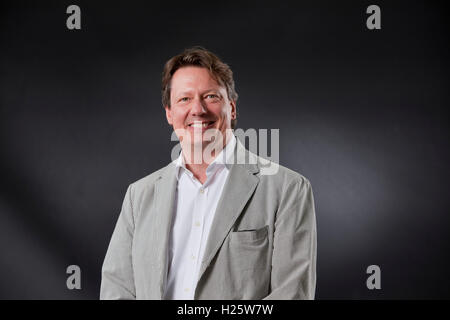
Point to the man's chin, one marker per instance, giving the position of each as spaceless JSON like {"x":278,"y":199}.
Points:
{"x":201,"y":143}
{"x":202,"y":149}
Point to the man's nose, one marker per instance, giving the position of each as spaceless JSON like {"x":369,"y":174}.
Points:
{"x":198,"y":107}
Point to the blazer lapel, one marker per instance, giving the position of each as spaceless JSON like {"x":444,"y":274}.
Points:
{"x":165,"y":200}
{"x":240,"y":185}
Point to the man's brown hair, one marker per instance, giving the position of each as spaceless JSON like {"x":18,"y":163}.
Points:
{"x":200,"y":57}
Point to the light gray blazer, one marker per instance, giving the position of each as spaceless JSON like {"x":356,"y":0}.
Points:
{"x":262,"y":243}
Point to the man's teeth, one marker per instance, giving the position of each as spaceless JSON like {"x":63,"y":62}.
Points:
{"x":200,"y":125}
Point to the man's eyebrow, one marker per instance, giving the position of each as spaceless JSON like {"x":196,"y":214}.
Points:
{"x":216,"y":90}
{"x":188,"y":92}
{"x":183,"y":93}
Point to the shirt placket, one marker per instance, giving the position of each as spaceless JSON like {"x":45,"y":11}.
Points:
{"x":195,"y":240}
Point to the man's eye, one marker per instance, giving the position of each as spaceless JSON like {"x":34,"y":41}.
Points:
{"x":212,"y":96}
{"x":184,"y":99}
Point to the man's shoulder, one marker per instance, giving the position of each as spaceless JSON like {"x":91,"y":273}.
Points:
{"x":148,"y":180}
{"x":272,"y":172}
{"x":275,"y":173}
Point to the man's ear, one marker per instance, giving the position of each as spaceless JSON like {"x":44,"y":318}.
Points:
{"x":233,"y":109}
{"x":168,"y":114}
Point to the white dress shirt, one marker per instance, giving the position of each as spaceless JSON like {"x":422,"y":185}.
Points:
{"x":194,"y":213}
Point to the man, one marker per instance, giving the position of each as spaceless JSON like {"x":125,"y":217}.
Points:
{"x":211,"y":225}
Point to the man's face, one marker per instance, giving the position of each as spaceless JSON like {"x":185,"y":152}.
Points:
{"x":198,"y":103}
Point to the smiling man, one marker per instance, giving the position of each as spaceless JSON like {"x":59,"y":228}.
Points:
{"x":211,"y":224}
{"x":200,"y":112}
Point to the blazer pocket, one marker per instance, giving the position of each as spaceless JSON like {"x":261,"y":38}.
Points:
{"x":249,"y":249}
{"x":254,"y":235}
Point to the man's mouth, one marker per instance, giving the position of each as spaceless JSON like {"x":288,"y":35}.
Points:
{"x":201,"y":124}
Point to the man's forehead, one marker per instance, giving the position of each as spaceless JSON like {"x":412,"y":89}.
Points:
{"x":192,"y":73}
{"x":189,"y":79}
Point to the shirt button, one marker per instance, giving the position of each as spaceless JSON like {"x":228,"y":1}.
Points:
{"x":193,"y":257}
{"x":186,"y":289}
{"x":197,"y":224}
{"x":202,"y":190}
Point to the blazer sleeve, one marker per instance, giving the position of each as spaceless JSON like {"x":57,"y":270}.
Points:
{"x":293,"y":274}
{"x":117,"y":270}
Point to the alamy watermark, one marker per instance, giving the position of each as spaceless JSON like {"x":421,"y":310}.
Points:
{"x":73,"y":21}
{"x":374,"y":280}
{"x":373,"y":22}
{"x":74,"y":280}
{"x":196,"y":151}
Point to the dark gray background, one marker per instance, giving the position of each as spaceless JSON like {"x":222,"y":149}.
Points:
{"x":362,"y":114}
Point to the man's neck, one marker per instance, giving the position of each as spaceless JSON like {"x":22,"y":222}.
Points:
{"x":199,"y":169}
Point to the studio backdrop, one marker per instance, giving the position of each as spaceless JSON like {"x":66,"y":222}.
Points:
{"x":359,"y":95}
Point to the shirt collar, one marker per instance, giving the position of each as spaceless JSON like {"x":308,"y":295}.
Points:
{"x":219,"y":162}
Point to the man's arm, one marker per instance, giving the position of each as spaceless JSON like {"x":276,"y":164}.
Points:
{"x":117,"y":270}
{"x":294,"y":246}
